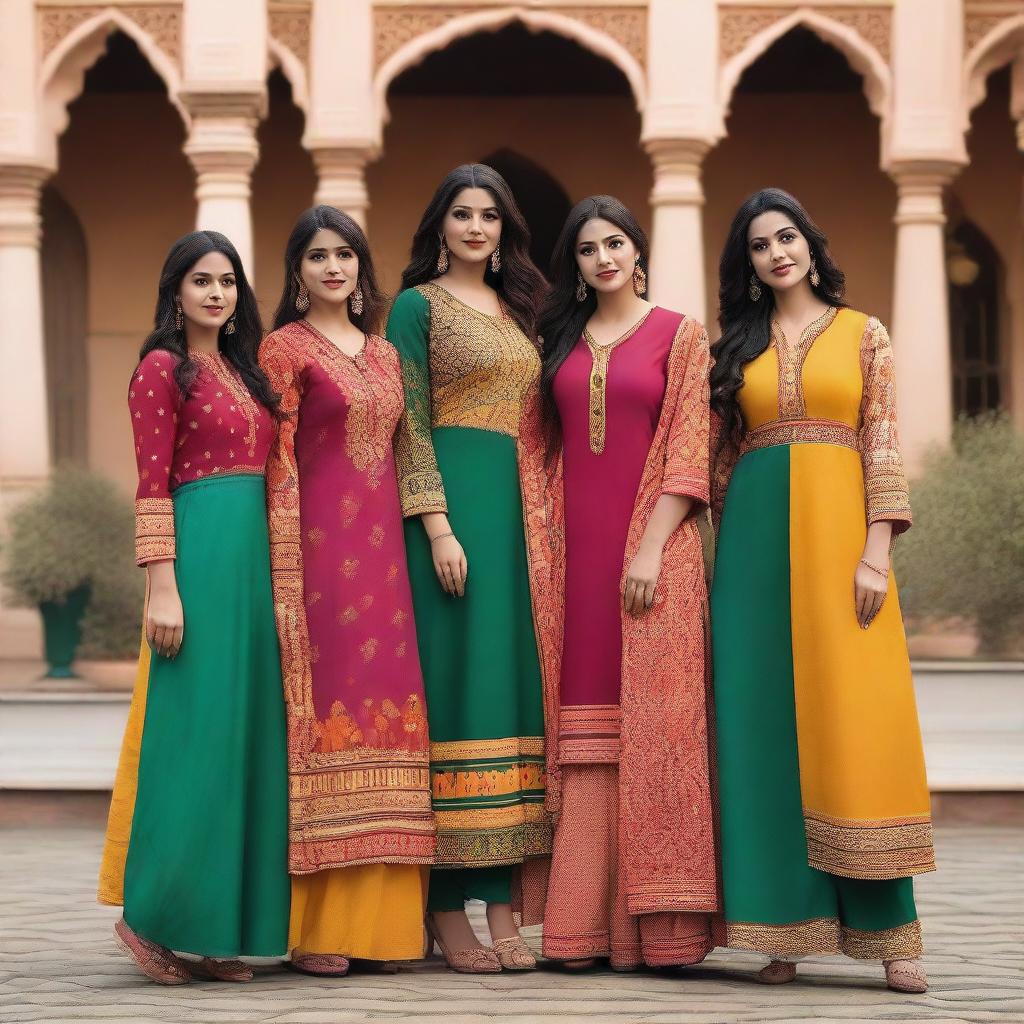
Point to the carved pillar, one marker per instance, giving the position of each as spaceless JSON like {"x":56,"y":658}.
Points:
{"x":341,"y":179}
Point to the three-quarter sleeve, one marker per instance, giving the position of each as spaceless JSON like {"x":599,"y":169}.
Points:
{"x":420,"y":487}
{"x":686,"y":455}
{"x":724,"y":450}
{"x":154,"y":400}
{"x":886,"y":495}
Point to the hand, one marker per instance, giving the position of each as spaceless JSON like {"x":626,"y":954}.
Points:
{"x":165,"y":621}
{"x":869,"y":590}
{"x":450,"y":564}
{"x":641,"y":579}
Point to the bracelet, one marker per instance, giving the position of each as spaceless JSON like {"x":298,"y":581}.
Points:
{"x":884,"y":573}
{"x":441,"y":536}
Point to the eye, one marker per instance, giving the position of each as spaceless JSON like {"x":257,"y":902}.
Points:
{"x":587,"y":250}
{"x":757,"y":246}
{"x":229,"y":282}
{"x":461,"y":215}
{"x":616,"y":243}
{"x":202,"y":281}
{"x":789,"y":237}
{"x":348,"y":255}
{"x":316,"y":257}
{"x":491,"y":215}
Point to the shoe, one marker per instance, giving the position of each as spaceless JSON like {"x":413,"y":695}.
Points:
{"x":514,"y":954}
{"x":577,"y":966}
{"x":325,"y":965}
{"x":778,"y":972}
{"x":209,"y":969}
{"x":156,"y":962}
{"x":905,"y":976}
{"x":465,"y":961}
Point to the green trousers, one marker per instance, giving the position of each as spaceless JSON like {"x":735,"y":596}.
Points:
{"x":449,"y":889}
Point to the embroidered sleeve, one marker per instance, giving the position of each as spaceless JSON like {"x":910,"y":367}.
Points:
{"x":153,"y":401}
{"x":686,"y":456}
{"x":886,"y":494}
{"x":724,"y":454}
{"x":420,"y":487}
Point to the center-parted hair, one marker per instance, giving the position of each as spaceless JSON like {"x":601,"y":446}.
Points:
{"x":239,"y":347}
{"x":309,"y":223}
{"x":563,"y":317}
{"x":519,"y":284}
{"x":747,"y":325}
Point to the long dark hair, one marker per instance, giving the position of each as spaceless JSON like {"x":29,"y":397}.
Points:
{"x":562,"y":317}
{"x":519,"y":284}
{"x":308,"y":224}
{"x":747,"y":325}
{"x":239,"y":348}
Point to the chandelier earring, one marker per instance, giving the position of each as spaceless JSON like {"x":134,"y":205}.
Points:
{"x":496,"y":259}
{"x":302,"y":298}
{"x":355,"y":301}
{"x":229,"y":327}
{"x":581,"y":288}
{"x":639,"y":279}
{"x":754,"y":291}
{"x":442,"y":258}
{"x":179,"y":317}
{"x":814,"y":275}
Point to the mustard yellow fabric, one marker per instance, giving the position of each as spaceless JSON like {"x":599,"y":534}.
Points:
{"x":368,"y":911}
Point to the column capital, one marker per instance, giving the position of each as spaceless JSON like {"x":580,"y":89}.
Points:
{"x":677,"y":167}
{"x":222,"y":139}
{"x":225,"y":104}
{"x":341,"y":177}
{"x":20,"y":185}
{"x":920,"y":184}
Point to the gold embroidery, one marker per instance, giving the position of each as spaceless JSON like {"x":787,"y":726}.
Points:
{"x":600,"y":360}
{"x":469,"y":750}
{"x":889,"y":848}
{"x":818,"y":936}
{"x":900,"y":943}
{"x":222,"y":371}
{"x":799,"y":432}
{"x":791,"y":364}
{"x":492,"y":817}
{"x":495,"y":847}
{"x":154,"y":529}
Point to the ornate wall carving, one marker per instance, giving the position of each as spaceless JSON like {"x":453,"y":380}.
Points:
{"x":394,"y":27}
{"x":290,"y":26}
{"x":160,"y":21}
{"x":979,"y":22}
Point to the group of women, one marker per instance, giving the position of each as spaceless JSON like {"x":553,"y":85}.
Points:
{"x":471,"y":559}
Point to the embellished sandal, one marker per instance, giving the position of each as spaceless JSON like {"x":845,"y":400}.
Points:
{"x":905,"y":976}
{"x":778,"y":972}
{"x":514,"y":953}
{"x":324,"y":965}
{"x":465,"y":961}
{"x":209,"y":969}
{"x":156,"y":962}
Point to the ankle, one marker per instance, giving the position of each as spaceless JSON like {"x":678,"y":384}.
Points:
{"x":501,"y":921}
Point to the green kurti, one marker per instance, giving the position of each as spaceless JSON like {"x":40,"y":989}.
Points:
{"x":468,"y":377}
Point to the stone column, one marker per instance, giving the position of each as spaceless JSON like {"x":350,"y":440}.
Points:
{"x":920,"y":318}
{"x":223,"y":150}
{"x":1015,"y":277}
{"x":341,"y":179}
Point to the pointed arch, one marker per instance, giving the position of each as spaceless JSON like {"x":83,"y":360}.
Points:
{"x":997,"y":47}
{"x":293,"y":69}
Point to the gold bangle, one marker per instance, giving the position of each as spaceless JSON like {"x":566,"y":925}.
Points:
{"x":441,"y":536}
{"x":884,"y":573}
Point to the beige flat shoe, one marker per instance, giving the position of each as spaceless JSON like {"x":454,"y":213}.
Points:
{"x":905,"y":976}
{"x":778,"y":972}
{"x":324,"y":965}
{"x":465,"y":961}
{"x":514,"y":954}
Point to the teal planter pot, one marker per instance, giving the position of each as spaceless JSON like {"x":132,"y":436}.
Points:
{"x":62,"y":627}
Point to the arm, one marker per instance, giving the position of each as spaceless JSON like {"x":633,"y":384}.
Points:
{"x":154,"y":403}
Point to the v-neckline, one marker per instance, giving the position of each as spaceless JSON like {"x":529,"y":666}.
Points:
{"x":625,"y":336}
{"x":791,"y":361}
{"x":494,"y":318}
{"x":358,"y":360}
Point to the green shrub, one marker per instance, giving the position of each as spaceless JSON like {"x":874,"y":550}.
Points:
{"x":965,"y":553}
{"x":79,"y":529}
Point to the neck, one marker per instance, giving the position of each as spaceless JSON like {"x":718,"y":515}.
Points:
{"x":201,"y":339}
{"x":799,"y":303}
{"x":621,"y":304}
{"x":328,"y":318}
{"x":462,"y":272}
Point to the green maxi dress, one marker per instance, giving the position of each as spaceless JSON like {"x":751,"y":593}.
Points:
{"x":468,"y":379}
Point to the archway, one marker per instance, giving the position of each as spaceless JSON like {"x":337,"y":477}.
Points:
{"x":472,"y":99}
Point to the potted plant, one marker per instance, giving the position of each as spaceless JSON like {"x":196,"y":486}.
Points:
{"x":69,"y":553}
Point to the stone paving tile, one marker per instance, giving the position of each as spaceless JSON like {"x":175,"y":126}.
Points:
{"x":58,"y":962}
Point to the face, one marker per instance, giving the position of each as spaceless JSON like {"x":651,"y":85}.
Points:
{"x":778,"y":252}
{"x":472,"y":226}
{"x":329,"y":268}
{"x":208,"y":292}
{"x":605,"y":255}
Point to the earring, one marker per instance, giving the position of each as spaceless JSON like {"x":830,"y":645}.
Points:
{"x":302,"y":298}
{"x":639,"y":279}
{"x":814,"y":275}
{"x":229,"y":327}
{"x":496,"y":259}
{"x":754,"y":291}
{"x":355,"y":301}
{"x":442,"y":258}
{"x":581,"y":287}
{"x":179,"y":318}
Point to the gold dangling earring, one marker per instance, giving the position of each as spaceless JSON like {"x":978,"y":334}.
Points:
{"x":355,"y":301}
{"x":581,"y":288}
{"x":496,"y":259}
{"x":442,"y":258}
{"x":302,"y":298}
{"x":179,"y":317}
{"x":639,"y":279}
{"x":814,"y":275}
{"x":754,"y":291}
{"x":229,"y":327}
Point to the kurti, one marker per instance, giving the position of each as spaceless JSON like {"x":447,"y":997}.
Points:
{"x":359,"y":785}
{"x":628,"y":741}
{"x":197,"y":835}
{"x":471,"y":403}
{"x":824,"y":800}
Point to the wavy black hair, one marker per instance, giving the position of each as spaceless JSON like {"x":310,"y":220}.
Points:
{"x":309,"y":223}
{"x":239,"y":348}
{"x":519,"y":284}
{"x":562,"y":317}
{"x":746,"y":325}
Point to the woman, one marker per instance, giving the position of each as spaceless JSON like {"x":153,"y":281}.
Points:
{"x":625,"y":391}
{"x":361,"y":822}
{"x":824,"y":801}
{"x":468,"y":448}
{"x":205,"y":869}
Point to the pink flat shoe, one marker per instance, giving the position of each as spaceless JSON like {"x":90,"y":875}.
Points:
{"x":156,"y":963}
{"x":209,"y":969}
{"x":325,"y":965}
{"x":905,"y":976}
{"x":778,"y":972}
{"x":514,"y":954}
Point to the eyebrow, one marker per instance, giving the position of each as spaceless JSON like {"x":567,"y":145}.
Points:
{"x":608,"y":238}
{"x":206,"y":273}
{"x":483,"y":209}
{"x":323,"y":248}
{"x":761,"y":238}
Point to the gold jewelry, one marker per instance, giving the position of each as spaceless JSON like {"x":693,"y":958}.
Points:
{"x":639,"y":279}
{"x":496,"y":259}
{"x":814,"y":275}
{"x":356,"y":301}
{"x":442,"y":257}
{"x":441,"y":536}
{"x":229,"y":327}
{"x":302,"y":298}
{"x":884,"y":573}
{"x":754,"y":291}
{"x":179,"y":317}
{"x":581,"y":288}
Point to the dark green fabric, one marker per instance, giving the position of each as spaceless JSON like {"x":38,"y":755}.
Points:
{"x":207,"y":869}
{"x":449,"y":890}
{"x":766,"y":876}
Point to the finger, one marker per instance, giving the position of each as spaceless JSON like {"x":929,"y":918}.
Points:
{"x":876,"y":604}
{"x":464,"y":567}
{"x":858,"y":604}
{"x":150,"y":632}
{"x":459,"y":578}
{"x":449,"y":579}
{"x":649,"y":595}
{"x":177,"y":639}
{"x":158,"y":640}
{"x":439,"y":572}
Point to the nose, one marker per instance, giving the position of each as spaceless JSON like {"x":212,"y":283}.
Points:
{"x":777,"y":251}
{"x":604,"y":256}
{"x":477,"y":225}
{"x":333,"y":266}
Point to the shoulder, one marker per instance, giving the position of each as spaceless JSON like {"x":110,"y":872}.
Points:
{"x":382,"y":348}
{"x":413,"y":301}
{"x":684,"y":329}
{"x":872,"y":332}
{"x":283,"y":345}
{"x":156,"y":368}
